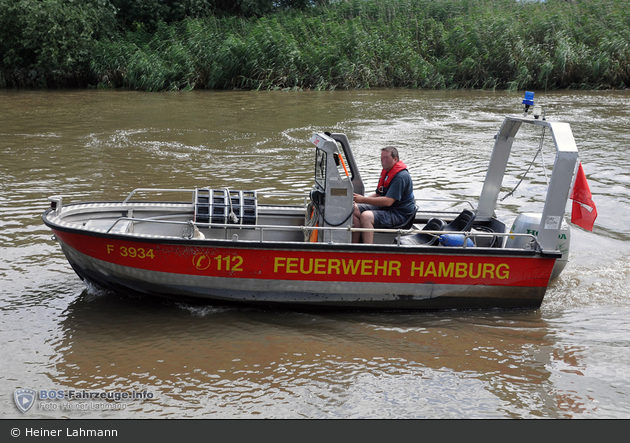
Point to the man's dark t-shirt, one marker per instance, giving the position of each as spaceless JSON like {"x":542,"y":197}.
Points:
{"x":401,"y":190}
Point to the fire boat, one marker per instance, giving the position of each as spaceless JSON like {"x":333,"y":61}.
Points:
{"x":228,"y":246}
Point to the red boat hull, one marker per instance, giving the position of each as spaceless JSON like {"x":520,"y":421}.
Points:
{"x":356,"y":276}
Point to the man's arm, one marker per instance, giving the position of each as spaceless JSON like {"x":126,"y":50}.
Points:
{"x":374,"y":199}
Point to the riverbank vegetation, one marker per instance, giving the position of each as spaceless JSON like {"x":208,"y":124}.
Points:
{"x":159,"y":45}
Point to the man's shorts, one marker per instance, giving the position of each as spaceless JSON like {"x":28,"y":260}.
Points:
{"x":383,"y":218}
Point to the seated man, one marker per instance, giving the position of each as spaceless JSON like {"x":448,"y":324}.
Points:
{"x":392,"y":203}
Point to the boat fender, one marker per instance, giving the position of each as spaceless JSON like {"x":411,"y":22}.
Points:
{"x":455,"y":240}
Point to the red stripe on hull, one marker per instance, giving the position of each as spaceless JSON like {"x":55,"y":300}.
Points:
{"x":286,"y":264}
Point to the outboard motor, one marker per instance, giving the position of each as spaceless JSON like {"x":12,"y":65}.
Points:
{"x":530,"y":224}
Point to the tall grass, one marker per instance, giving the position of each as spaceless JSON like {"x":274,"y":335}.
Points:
{"x":490,"y":44}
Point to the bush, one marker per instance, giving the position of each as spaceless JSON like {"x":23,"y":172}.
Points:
{"x":268,"y":44}
{"x":47,"y":39}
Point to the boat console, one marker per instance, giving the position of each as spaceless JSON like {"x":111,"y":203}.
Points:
{"x":331,"y":199}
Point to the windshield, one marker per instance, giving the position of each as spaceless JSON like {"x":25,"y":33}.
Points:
{"x":320,"y":168}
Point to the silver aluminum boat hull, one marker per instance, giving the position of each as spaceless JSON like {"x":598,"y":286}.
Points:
{"x":314,"y":277}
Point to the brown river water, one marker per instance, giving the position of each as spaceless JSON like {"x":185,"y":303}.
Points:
{"x":568,"y":359}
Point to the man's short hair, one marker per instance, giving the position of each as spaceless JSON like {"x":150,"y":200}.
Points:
{"x":393,"y":151}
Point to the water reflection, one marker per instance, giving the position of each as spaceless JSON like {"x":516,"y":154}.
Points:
{"x":229,"y":361}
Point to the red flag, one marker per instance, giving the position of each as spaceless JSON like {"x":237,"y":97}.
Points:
{"x":584,"y":211}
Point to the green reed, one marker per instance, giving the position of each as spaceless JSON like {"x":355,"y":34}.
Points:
{"x":445,"y":44}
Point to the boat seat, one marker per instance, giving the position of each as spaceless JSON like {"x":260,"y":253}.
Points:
{"x":463,"y":222}
{"x":484,"y":237}
{"x":434,"y":224}
{"x":407,"y":224}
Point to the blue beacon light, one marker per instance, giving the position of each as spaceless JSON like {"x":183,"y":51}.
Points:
{"x":528,"y":100}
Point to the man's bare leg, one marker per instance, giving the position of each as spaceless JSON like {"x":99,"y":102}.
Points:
{"x":367,"y":222}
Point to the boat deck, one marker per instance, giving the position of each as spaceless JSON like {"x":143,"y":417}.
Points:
{"x":274,"y":223}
